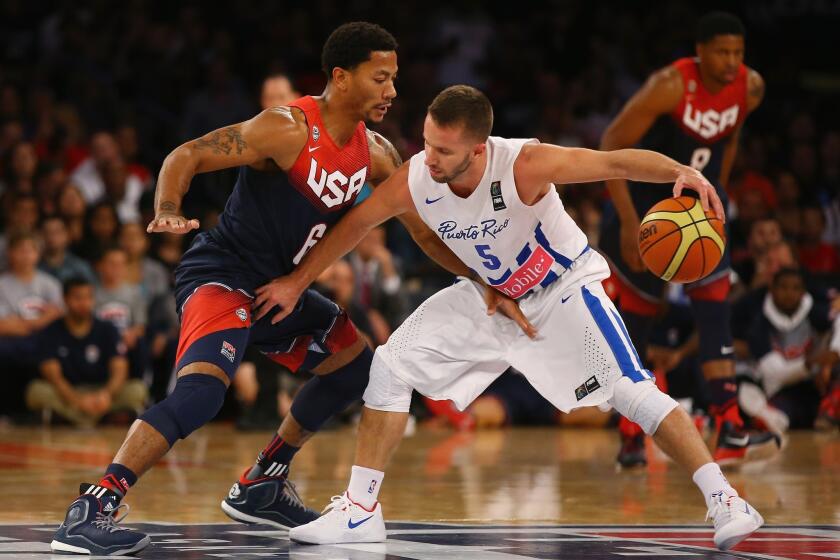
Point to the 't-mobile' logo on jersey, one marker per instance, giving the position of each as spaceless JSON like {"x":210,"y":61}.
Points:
{"x":710,"y":123}
{"x":329,"y":187}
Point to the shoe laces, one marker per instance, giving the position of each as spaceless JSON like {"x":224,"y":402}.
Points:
{"x":337,"y":503}
{"x":719,"y":505}
{"x":290,"y":495}
{"x":108,"y":521}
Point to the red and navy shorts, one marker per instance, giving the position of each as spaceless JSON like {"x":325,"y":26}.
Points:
{"x":217,"y":327}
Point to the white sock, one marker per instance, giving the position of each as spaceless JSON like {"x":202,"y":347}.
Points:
{"x":364,"y":486}
{"x":710,"y":480}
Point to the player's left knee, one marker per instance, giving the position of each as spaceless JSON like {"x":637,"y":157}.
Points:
{"x":642,"y":402}
{"x":713,"y":327}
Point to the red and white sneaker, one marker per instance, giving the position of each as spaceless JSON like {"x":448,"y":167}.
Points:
{"x":734,"y":520}
{"x":343,"y":521}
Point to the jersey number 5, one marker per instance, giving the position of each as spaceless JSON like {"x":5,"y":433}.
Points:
{"x":492,"y":261}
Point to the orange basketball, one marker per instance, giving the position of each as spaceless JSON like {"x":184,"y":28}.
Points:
{"x":679,"y":242}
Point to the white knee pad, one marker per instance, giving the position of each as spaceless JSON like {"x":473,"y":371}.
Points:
{"x":386,"y":391}
{"x":642,"y":402}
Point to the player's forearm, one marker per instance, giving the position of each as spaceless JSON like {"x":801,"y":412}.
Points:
{"x":176,"y":173}
{"x":51,"y":371}
{"x":644,"y":166}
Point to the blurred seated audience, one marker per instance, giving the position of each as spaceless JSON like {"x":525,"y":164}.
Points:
{"x":21,"y":216}
{"x":83,"y":365}
{"x":57,"y":260}
{"x":377,"y":281}
{"x":815,"y":255}
{"x":784,"y":340}
{"x":29,"y":301}
{"x":121,"y":304}
{"x":102,"y":225}
{"x":71,"y":207}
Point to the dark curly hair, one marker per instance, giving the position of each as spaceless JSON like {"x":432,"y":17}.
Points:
{"x":717,"y":23}
{"x":351,"y":44}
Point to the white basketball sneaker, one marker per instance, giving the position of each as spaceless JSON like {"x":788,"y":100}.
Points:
{"x":342,"y":521}
{"x":734,"y":519}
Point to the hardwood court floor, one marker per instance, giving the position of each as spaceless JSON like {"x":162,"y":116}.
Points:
{"x":515,"y":475}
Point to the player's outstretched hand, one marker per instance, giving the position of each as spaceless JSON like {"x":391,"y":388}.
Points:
{"x":692,"y":179}
{"x":496,"y":300}
{"x":172,"y":223}
{"x":281,"y":292}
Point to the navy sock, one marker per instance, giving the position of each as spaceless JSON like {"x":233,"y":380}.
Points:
{"x":274,"y":460}
{"x":118,"y":478}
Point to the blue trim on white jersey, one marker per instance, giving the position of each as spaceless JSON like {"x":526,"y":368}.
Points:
{"x":524,"y":254}
{"x":566,"y":262}
{"x":621,"y":347}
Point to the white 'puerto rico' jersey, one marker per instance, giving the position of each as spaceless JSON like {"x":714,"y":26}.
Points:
{"x":513,"y":247}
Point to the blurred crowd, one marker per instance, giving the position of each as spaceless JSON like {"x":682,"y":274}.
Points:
{"x":92,"y":99}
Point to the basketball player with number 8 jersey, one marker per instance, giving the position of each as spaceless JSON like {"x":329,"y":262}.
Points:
{"x":693,"y":111}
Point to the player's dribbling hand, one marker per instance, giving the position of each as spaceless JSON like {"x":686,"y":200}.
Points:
{"x":496,"y":300}
{"x":694,"y":180}
{"x":172,"y":223}
{"x":281,"y":292}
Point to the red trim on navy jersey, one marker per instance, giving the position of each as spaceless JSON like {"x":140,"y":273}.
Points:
{"x":329,"y":176}
{"x":709,"y":117}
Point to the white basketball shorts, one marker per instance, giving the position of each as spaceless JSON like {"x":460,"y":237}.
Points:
{"x":449,"y":348}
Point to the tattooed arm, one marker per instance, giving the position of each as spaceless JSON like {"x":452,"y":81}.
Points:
{"x":276,"y":135}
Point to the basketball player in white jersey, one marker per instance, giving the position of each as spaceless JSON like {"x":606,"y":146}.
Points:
{"x":492,"y":201}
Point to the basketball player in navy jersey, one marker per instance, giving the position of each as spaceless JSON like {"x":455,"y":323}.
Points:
{"x":301,"y":168}
{"x":693,"y":111}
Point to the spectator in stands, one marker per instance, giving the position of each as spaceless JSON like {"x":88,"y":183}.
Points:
{"x":153,"y":280}
{"x":19,"y":168}
{"x":763,"y":234}
{"x":783,"y":341}
{"x":378,"y":285}
{"x":22,"y":216}
{"x":123,"y":190}
{"x":102,"y":225}
{"x":48,"y":185}
{"x":129,"y":144}
{"x":89,"y":176}
{"x":277,"y":90}
{"x":57,"y":260}
{"x":83,"y":363}
{"x":29,"y":301}
{"x":815,"y":255}
{"x":122,"y":304}
{"x":71,"y":207}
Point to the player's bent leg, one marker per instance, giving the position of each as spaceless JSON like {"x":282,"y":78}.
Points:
{"x":356,"y":515}
{"x":673,"y":430}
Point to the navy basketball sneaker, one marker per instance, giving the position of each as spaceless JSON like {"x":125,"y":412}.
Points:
{"x":90,"y":526}
{"x":269,"y":500}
